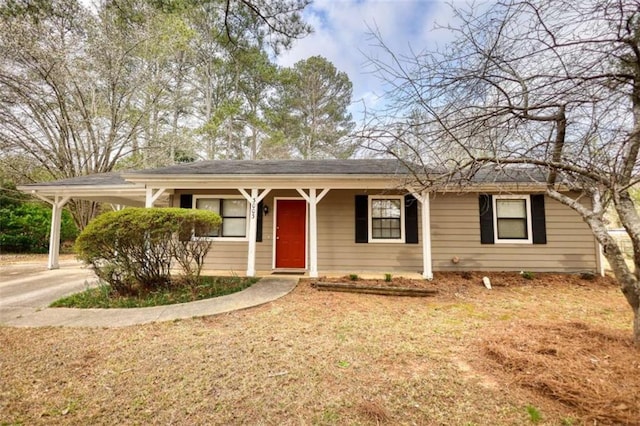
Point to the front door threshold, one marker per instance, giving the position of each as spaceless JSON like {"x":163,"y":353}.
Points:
{"x":289,"y":271}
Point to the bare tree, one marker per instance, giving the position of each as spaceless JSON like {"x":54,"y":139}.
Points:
{"x":552,"y":85}
{"x":67,"y":88}
{"x":81,"y":90}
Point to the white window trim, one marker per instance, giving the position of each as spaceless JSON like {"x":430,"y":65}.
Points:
{"x":370,"y":220}
{"x":224,"y":197}
{"x":527,"y":199}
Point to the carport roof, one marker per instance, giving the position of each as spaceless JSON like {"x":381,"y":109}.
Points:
{"x":98,"y":179}
{"x":102,"y":187}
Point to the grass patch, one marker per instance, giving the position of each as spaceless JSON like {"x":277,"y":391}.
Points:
{"x":208,"y":287}
{"x":316,"y":357}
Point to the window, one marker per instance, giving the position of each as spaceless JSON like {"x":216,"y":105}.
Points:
{"x":512,"y":219}
{"x":233,"y":212}
{"x":386,"y":219}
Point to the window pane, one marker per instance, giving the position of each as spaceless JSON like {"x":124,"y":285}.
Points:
{"x":237,"y":208}
{"x":385,"y":208}
{"x":213,"y":233}
{"x":395,"y":232}
{"x":232,"y":227}
{"x":376,"y":208}
{"x":511,"y":208}
{"x":512,"y":228}
{"x":385,"y":228}
{"x":211,"y":204}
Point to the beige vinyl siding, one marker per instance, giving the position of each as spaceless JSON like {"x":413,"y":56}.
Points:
{"x":338,"y":251}
{"x":231,"y":256}
{"x":455,"y":232}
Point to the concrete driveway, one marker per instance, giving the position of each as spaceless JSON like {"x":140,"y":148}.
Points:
{"x":29,"y":287}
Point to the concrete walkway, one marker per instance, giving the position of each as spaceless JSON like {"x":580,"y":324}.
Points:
{"x":19,"y":310}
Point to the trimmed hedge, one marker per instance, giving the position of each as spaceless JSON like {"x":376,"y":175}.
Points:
{"x":134,"y":249}
{"x":25,"y":228}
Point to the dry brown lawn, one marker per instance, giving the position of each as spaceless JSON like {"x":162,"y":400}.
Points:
{"x":467,"y":356}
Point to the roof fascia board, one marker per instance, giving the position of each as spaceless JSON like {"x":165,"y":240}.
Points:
{"x":279,"y":182}
{"x":123,"y":187}
{"x":261,"y":181}
{"x":145,"y":178}
{"x":323,"y":181}
{"x":502,"y":187}
{"x":95,"y":192}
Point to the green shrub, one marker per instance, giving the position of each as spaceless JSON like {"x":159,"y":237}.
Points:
{"x":25,"y":227}
{"x":133,"y":249}
{"x":388,"y":277}
{"x":528,"y":275}
{"x":354,"y":277}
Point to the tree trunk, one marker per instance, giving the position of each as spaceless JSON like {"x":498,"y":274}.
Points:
{"x":83,"y":212}
{"x":627,"y":279}
{"x":636,"y":327}
{"x":629,"y":283}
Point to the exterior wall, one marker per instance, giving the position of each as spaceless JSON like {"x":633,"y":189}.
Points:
{"x":455,"y":231}
{"x":228,"y":256}
{"x":338,"y":251}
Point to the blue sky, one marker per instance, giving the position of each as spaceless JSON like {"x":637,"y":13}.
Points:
{"x":340,"y":35}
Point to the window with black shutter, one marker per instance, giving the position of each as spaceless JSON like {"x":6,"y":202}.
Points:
{"x":512,"y":219}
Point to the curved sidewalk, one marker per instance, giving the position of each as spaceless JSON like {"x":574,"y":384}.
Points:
{"x":264,"y":291}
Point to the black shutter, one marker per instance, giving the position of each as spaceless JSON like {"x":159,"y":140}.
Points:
{"x":410,"y":219}
{"x":259,"y":227}
{"x":186,"y":201}
{"x":362,"y":219}
{"x":486,"y":219}
{"x":538,"y":222}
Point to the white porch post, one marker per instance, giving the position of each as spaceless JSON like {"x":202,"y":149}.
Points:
{"x":152,"y":197}
{"x":313,"y":200}
{"x":426,"y":236}
{"x":423,"y":197}
{"x":254,"y":198}
{"x":313,"y":234}
{"x":57,"y":204}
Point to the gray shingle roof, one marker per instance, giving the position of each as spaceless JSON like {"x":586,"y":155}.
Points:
{"x":372,"y":167}
{"x":284,"y":167}
{"x":99,"y":179}
{"x":510,"y":174}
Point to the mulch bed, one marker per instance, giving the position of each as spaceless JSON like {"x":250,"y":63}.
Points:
{"x":592,"y":369}
{"x":448,"y":282}
{"x":375,"y":289}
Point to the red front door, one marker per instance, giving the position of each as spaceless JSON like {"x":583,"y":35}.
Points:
{"x":291,"y":220}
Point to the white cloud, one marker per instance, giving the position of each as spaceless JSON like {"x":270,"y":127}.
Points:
{"x":341,"y":29}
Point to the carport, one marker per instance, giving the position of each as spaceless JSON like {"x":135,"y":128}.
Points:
{"x":108,"y":188}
